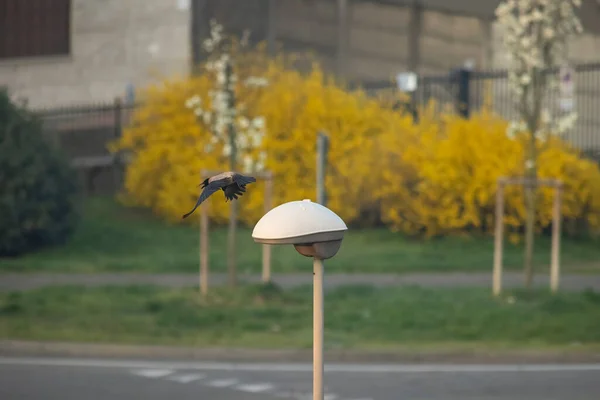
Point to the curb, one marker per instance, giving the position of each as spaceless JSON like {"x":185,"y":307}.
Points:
{"x":17,"y":348}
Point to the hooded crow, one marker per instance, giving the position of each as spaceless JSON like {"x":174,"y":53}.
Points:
{"x":233,"y":184}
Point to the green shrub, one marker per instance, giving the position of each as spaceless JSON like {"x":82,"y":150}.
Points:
{"x":38,"y":188}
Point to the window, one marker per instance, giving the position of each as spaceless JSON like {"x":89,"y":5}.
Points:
{"x":34,"y":28}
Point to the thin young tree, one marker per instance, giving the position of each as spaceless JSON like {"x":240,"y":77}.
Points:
{"x":226,"y":119}
{"x":536,"y":34}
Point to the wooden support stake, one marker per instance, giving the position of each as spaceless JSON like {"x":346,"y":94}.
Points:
{"x":556,"y":222}
{"x":204,"y":250}
{"x":266,"y":256}
{"x":204,"y":228}
{"x":498,"y":240}
{"x":555,"y":251}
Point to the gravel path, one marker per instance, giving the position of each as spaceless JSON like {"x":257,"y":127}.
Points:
{"x":11,"y":282}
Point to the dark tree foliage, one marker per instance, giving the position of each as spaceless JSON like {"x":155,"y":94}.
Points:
{"x":39,"y":190}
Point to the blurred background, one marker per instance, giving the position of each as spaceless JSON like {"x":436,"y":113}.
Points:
{"x":113,"y":112}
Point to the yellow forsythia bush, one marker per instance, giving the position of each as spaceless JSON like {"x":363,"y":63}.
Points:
{"x":435,"y":177}
{"x":444,"y":179}
{"x":168,"y":144}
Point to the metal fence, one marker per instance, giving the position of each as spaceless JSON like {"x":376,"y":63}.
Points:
{"x":83,"y":134}
{"x":465,"y":92}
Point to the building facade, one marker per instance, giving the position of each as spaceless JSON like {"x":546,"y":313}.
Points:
{"x":68,"y":52}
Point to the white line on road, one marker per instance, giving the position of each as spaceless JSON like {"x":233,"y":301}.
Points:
{"x":153,"y":373}
{"x":186,"y":378}
{"x":222,"y":383}
{"x":255,"y":387}
{"x":309,"y":396}
{"x":300,"y":367}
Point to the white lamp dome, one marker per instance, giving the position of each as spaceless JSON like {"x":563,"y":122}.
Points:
{"x":299,"y":222}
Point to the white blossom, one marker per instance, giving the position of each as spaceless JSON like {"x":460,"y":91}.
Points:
{"x":262,"y":158}
{"x":515,"y":127}
{"x":248,"y":162}
{"x":545,"y":117}
{"x":221,"y":78}
{"x":535,"y":34}
{"x":540,"y":135}
{"x":566,"y":123}
{"x":257,"y":138}
{"x":193,"y":101}
{"x":245,"y":37}
{"x":256,"y":81}
{"x":529,"y":164}
{"x":243,"y":122}
{"x":208,"y":45}
{"x":242,"y":141}
{"x":525,"y":80}
{"x":258,"y":122}
{"x":222,"y":112}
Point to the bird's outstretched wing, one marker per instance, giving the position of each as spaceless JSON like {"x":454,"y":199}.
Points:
{"x":233,"y":191}
{"x":243,"y":180}
{"x":208,"y":190}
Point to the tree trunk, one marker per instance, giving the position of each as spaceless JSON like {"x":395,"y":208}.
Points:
{"x":530,"y":203}
{"x":530,"y":194}
{"x":231,"y":248}
{"x":532,"y":116}
{"x":231,"y":236}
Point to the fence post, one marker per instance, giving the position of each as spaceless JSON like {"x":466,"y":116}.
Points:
{"x":425,"y":86}
{"x":498,"y":239}
{"x":322,"y":149}
{"x":463,"y":99}
{"x":116,"y":168}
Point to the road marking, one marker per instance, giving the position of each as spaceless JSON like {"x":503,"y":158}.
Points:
{"x":255,"y":387}
{"x":300,"y":367}
{"x":186,"y":378}
{"x":309,"y":396}
{"x":222,"y":382}
{"x":153,"y":373}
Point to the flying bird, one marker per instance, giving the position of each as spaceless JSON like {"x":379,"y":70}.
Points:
{"x":233,"y":184}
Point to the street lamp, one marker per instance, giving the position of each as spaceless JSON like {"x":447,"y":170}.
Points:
{"x":317,"y":232}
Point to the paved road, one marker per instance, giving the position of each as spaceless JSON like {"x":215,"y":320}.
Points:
{"x":65,"y":379}
{"x":511,"y":279}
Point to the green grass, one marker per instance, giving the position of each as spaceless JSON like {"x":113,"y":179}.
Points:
{"x":117,"y":239}
{"x":357,"y":317}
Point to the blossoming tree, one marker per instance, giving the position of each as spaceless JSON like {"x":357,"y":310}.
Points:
{"x":226,"y":118}
{"x":535,"y":34}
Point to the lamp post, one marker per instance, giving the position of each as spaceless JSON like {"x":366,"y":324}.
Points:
{"x":317,"y":232}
